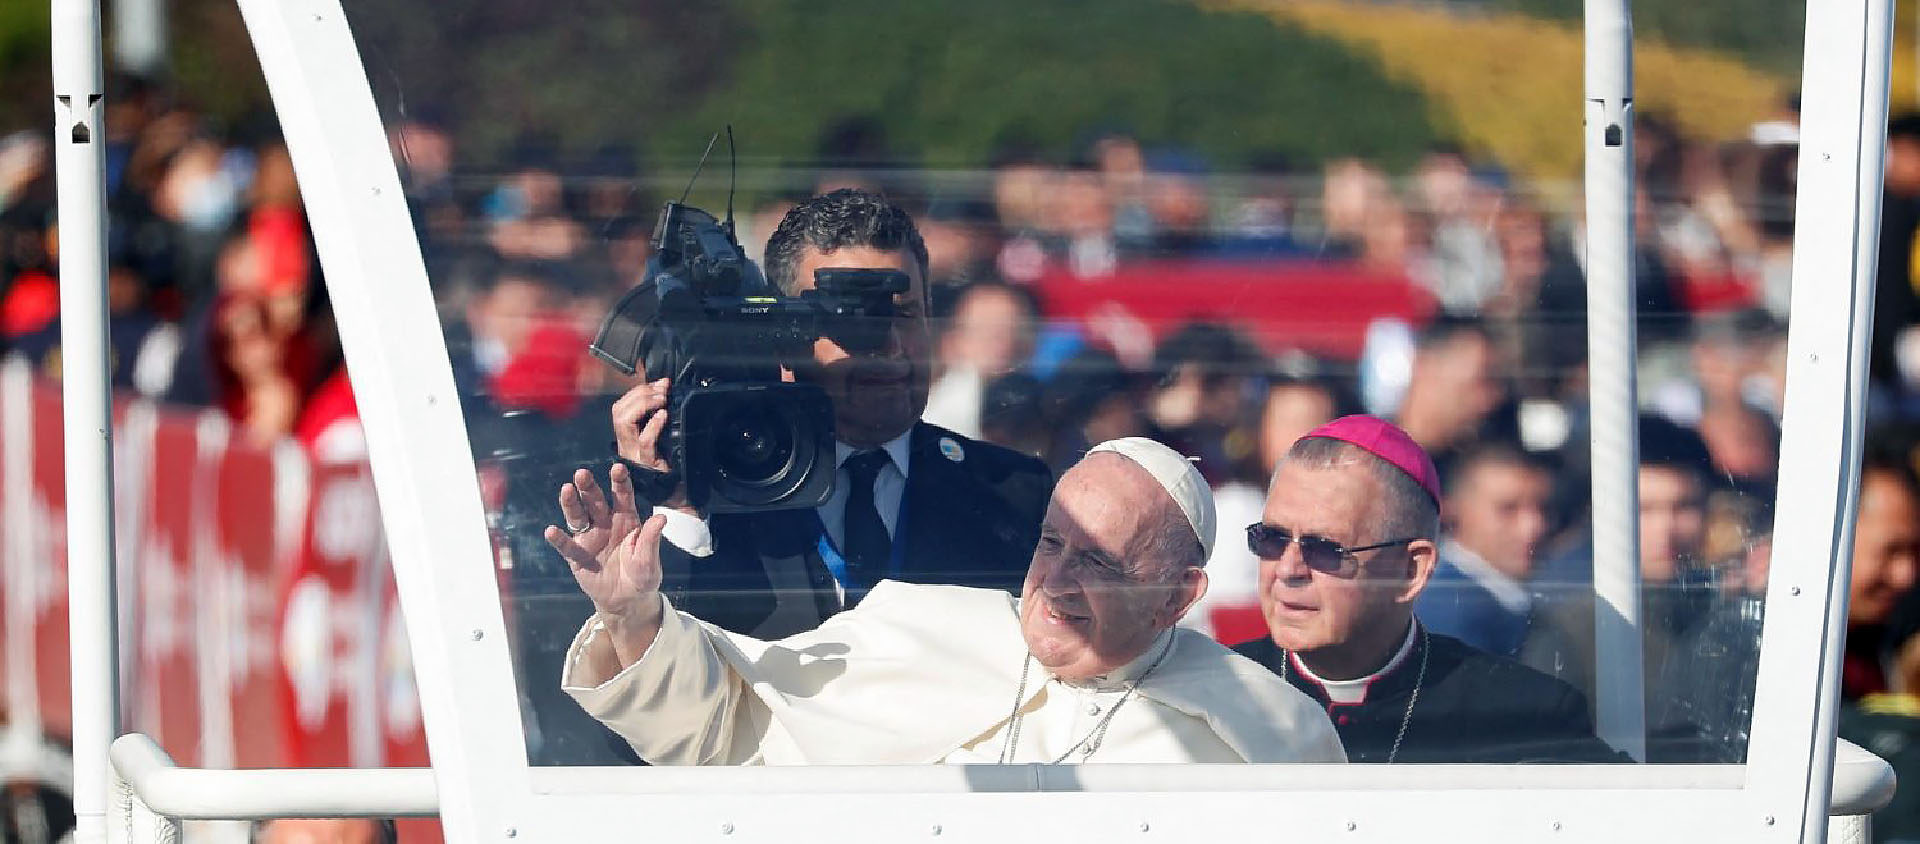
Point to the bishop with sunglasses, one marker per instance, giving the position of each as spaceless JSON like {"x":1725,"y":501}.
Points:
{"x":1346,"y":543}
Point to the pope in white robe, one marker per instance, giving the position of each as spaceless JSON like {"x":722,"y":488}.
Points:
{"x":1086,"y":666}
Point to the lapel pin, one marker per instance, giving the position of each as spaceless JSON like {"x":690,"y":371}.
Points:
{"x":952,"y":450}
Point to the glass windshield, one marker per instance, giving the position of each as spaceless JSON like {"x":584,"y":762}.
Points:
{"x":913,"y":276}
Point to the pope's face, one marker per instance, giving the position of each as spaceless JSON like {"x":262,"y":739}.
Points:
{"x":1091,"y":603}
{"x":1309,"y":610}
{"x":876,"y":397}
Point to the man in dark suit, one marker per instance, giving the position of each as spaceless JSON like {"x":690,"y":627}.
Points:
{"x":1496,"y":516}
{"x":912,"y":502}
{"x":1346,"y":545}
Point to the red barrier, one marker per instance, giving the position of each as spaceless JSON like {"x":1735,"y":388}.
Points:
{"x":164,"y":698}
{"x":251,"y":552}
{"x":331,"y":622}
{"x":259,"y":625}
{"x":1315,"y":306}
{"x":46,"y":556}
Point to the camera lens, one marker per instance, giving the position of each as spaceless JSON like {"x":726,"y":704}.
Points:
{"x":754,"y":446}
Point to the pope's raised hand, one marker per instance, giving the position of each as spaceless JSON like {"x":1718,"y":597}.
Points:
{"x":615,"y":557}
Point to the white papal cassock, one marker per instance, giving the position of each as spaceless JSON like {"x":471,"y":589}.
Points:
{"x":921,"y":673}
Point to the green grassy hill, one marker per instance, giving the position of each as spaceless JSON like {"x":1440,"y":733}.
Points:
{"x":1231,"y":79}
{"x":942,"y":79}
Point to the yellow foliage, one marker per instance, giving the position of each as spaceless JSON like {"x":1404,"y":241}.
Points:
{"x":1903,"y":93}
{"x":1511,"y":86}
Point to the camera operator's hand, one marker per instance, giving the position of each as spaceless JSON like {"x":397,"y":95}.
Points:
{"x":615,"y":557}
{"x":639,"y":419}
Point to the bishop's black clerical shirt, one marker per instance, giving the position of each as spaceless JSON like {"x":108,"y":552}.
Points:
{"x":1474,"y":707}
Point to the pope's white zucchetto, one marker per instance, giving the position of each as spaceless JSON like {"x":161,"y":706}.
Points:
{"x":1175,"y":474}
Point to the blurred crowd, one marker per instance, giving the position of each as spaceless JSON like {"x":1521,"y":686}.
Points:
{"x":213,"y":287}
{"x":216,"y":300}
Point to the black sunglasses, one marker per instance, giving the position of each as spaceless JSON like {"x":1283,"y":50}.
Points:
{"x":1318,"y":552}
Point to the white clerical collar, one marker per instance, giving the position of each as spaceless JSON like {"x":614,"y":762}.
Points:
{"x":1509,"y":592}
{"x":897,"y":450}
{"x":1118,"y":678}
{"x":1355,"y":690}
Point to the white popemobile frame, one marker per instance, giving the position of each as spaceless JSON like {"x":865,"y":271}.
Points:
{"x":486,"y":791}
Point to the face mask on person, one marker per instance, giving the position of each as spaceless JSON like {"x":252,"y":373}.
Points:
{"x":209,"y":204}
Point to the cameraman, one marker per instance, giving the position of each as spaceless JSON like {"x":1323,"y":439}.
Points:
{"x":912,"y":501}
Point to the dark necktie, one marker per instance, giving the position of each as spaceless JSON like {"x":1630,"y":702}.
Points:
{"x":864,"y":539}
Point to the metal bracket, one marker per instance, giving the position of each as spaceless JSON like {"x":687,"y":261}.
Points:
{"x":1613,"y":119}
{"x":81,"y":121}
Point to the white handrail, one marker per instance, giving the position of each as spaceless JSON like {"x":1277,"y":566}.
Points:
{"x":1862,"y":782}
{"x":204,"y":794}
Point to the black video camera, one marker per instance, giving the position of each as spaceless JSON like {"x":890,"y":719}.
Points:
{"x":741,"y":438}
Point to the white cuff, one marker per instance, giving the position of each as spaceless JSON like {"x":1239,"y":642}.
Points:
{"x":687,"y":533}
{"x":592,"y":630}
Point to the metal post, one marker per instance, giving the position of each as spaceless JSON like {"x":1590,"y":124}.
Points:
{"x":1619,"y":698}
{"x":1847,"y":129}
{"x":80,"y":164}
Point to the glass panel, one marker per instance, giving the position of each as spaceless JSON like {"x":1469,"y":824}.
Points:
{"x":1215,"y":226}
